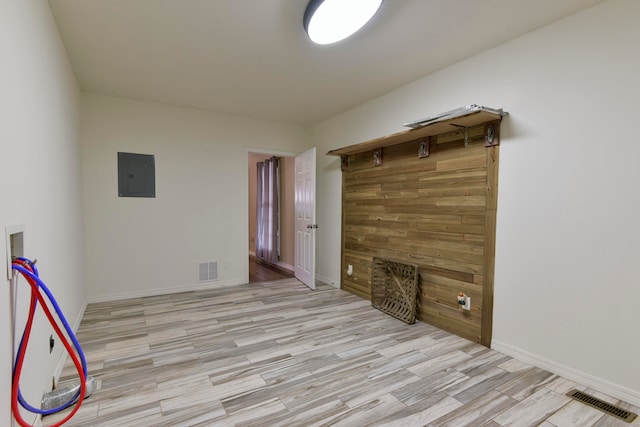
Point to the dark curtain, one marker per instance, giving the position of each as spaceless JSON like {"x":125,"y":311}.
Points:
{"x":268,"y":215}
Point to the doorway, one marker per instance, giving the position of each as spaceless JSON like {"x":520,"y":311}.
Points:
{"x":284,"y":266}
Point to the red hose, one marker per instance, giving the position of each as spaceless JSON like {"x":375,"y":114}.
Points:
{"x":36,"y":296}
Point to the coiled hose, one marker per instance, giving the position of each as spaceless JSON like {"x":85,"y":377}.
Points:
{"x":29,"y":271}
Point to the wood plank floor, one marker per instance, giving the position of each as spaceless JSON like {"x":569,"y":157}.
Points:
{"x":279,"y":354}
{"x":260,"y":271}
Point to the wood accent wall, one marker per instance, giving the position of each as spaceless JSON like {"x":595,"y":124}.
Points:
{"x":438,"y":212}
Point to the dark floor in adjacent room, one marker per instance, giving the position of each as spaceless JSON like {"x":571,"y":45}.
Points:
{"x":261,"y":271}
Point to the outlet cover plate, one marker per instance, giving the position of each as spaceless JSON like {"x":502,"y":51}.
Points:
{"x":14,"y":235}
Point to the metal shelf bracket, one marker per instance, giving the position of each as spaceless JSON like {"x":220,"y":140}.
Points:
{"x":424,"y":148}
{"x":492,"y":134}
{"x":465,"y":131}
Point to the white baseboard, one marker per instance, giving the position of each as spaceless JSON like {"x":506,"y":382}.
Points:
{"x":326,"y":280}
{"x":64,"y":356}
{"x":74,"y":327}
{"x":285,"y":266}
{"x":598,"y":384}
{"x":165,"y":291}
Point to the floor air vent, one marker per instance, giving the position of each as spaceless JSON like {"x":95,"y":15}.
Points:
{"x":602,"y":405}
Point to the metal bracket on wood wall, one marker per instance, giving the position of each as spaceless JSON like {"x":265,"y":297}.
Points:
{"x":423,"y":149}
{"x":465,"y":131}
{"x":344,"y":163}
{"x":377,"y":157}
{"x":492,"y":134}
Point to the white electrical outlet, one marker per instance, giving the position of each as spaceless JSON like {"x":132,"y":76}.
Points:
{"x":467,"y":303}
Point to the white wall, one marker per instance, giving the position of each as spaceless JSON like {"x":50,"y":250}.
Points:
{"x":40,"y":175}
{"x":567,"y":203}
{"x":148,"y":246}
{"x":567,"y":231}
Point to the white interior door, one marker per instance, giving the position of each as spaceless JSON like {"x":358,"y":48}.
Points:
{"x":305,"y":205}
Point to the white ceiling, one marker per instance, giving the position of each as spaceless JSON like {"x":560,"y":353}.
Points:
{"x":252,"y":57}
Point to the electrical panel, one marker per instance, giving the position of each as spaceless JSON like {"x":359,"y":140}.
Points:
{"x":136,"y":175}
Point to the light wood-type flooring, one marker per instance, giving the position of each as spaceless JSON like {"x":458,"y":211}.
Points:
{"x":279,"y":354}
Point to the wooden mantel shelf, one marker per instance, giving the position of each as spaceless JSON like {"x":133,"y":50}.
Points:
{"x":470,"y":116}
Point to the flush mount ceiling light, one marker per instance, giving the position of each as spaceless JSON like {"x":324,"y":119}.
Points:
{"x":329,"y":21}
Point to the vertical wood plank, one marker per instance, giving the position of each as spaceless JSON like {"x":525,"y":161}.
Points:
{"x":343,"y":264}
{"x":490,"y":244}
{"x":493,"y":154}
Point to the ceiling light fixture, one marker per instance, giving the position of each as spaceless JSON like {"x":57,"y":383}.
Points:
{"x":329,"y":21}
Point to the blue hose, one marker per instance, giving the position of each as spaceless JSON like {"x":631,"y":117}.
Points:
{"x":35,"y":276}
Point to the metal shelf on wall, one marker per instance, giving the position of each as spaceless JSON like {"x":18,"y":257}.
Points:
{"x":458,"y":119}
